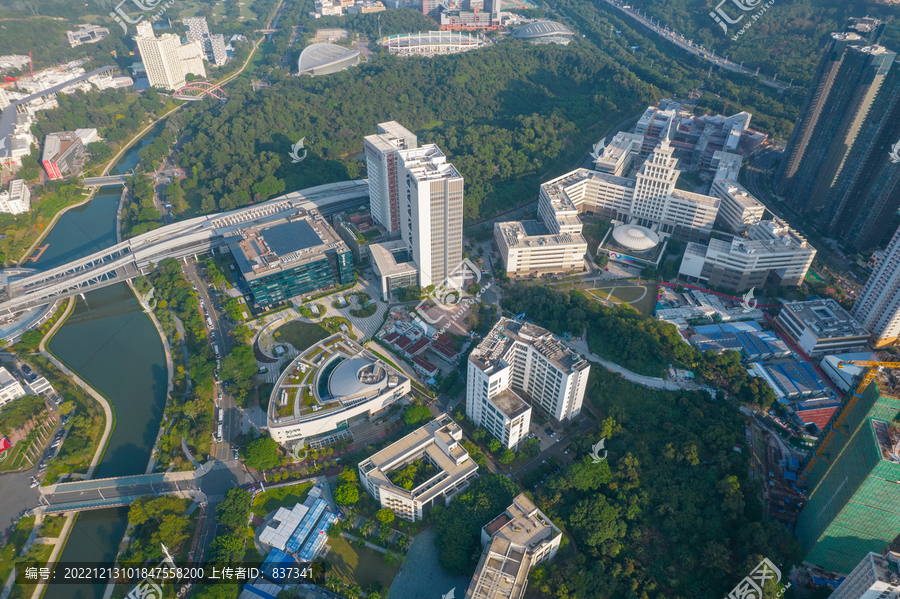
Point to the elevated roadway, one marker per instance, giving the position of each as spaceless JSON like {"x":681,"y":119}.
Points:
{"x":137,"y":255}
{"x":101,"y":181}
{"x":110,"y":492}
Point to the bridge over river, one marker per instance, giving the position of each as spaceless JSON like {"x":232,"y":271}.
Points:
{"x":102,"y":493}
{"x":133,"y":257}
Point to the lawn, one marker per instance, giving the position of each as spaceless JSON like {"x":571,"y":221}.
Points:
{"x":361,"y":566}
{"x":52,"y":526}
{"x":273,"y":499}
{"x":301,"y":334}
{"x":641,"y":298}
{"x":14,"y":544}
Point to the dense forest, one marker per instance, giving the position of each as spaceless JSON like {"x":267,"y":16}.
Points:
{"x":643,"y":345}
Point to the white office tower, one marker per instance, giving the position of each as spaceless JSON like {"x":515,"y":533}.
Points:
{"x":4,"y":99}
{"x":431,"y":213}
{"x":876,"y":577}
{"x":519,"y":366}
{"x":16,"y":200}
{"x":384,"y":182}
{"x":878,"y":306}
{"x":196,"y":28}
{"x":165,"y":60}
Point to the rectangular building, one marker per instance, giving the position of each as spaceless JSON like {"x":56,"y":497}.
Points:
{"x":878,"y":305}
{"x":431,"y":213}
{"x":617,"y":157}
{"x":519,"y":366}
{"x":820,"y":327}
{"x":17,"y":199}
{"x":876,"y":577}
{"x":214,"y":46}
{"x":772,"y":253}
{"x":10,"y":387}
{"x":390,"y":261}
{"x":65,"y":152}
{"x":386,"y":183}
{"x":290,"y":257}
{"x":166,"y":61}
{"x":436,"y":450}
{"x":86,"y":34}
{"x":738,"y":209}
{"x":528,"y":248}
{"x":196,"y":28}
{"x":515,"y":541}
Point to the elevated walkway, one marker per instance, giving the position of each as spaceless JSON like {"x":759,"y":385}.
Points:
{"x":111,"y":492}
{"x":101,"y":181}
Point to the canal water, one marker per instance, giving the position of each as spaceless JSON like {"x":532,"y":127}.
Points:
{"x":112,"y":345}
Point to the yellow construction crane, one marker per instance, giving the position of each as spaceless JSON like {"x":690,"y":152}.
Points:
{"x":873,"y":367}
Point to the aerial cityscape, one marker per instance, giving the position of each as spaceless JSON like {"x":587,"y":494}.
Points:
{"x":460,"y":299}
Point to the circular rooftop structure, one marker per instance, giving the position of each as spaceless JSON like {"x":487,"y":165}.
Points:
{"x":323,"y":59}
{"x":356,"y":375}
{"x":635,"y":238}
{"x":430,"y":43}
{"x":543,"y":31}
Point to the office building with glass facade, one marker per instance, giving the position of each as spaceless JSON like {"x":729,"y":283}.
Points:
{"x":291,"y":257}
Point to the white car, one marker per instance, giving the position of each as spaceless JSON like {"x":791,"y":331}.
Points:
{"x":34,"y":482}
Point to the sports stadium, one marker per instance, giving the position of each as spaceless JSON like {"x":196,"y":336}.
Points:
{"x":430,"y":43}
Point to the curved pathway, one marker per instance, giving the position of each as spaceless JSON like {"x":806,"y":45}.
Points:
{"x":101,"y":446}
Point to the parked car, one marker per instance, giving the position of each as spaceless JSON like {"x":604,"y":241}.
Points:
{"x":34,"y":482}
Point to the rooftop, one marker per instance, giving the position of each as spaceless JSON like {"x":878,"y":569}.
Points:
{"x":738,"y":193}
{"x":260,"y":250}
{"x":532,"y":232}
{"x":888,"y":437}
{"x":824,"y":318}
{"x":385,"y":257}
{"x":494,"y":348}
{"x":541,"y":29}
{"x":428,"y":163}
{"x":510,"y":403}
{"x":318,"y":56}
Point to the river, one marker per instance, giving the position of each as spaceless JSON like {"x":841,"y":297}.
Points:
{"x":114,"y":346}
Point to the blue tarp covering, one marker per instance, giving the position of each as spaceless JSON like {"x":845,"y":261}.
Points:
{"x":788,"y":475}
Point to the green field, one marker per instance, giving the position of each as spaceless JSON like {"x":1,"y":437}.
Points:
{"x":273,"y":499}
{"x":641,"y":298}
{"x":301,"y":334}
{"x":361,"y":566}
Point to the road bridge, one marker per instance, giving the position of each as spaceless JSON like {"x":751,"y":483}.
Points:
{"x":136,"y":256}
{"x":102,"y":493}
{"x":101,"y":181}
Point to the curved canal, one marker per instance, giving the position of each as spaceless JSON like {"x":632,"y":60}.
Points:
{"x":112,"y":345}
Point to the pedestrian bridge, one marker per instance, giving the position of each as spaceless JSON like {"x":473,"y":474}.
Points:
{"x":138,"y":255}
{"x":124,"y":490}
{"x":101,"y":181}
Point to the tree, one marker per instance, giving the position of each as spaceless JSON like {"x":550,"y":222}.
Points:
{"x":415,"y":414}
{"x":385,"y":516}
{"x":238,"y":369}
{"x":594,"y":521}
{"x":333,"y":582}
{"x":227,"y":547}
{"x":495,"y":445}
{"x":507,"y":456}
{"x":234,"y":511}
{"x":347,"y":494}
{"x":262,"y":454}
{"x":348,"y":475}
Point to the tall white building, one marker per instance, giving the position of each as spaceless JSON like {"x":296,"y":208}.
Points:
{"x":431,"y":212}
{"x":215,"y":49}
{"x":10,"y":387}
{"x":196,"y":28}
{"x":385,"y":181}
{"x":17,"y":200}
{"x":876,"y":577}
{"x":878,"y":306}
{"x":166,"y":61}
{"x":739,"y":209}
{"x":517,"y":366}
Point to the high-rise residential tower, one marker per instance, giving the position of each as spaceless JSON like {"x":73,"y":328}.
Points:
{"x":166,"y":60}
{"x":431,"y":212}
{"x":853,"y":490}
{"x":878,"y":306}
{"x":385,"y":181}
{"x":519,"y":366}
{"x":196,"y":28}
{"x":824,"y":142}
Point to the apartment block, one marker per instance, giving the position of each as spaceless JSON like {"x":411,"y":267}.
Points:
{"x":196,"y":28}
{"x":214,"y":46}
{"x":738,"y":209}
{"x":431,"y":212}
{"x":772,"y":253}
{"x":385,"y":179}
{"x":515,"y":541}
{"x":17,"y":199}
{"x":444,"y":469}
{"x":166,"y":60}
{"x":519,"y":366}
{"x":878,"y":306}
{"x":876,"y":577}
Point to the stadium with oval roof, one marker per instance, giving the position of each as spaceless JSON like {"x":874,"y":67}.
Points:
{"x":327,"y":388}
{"x":634,"y":244}
{"x":430,"y":43}
{"x":324,"y":59}
{"x":544,"y":32}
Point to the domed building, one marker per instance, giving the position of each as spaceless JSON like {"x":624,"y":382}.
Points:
{"x":634,"y":244}
{"x":635,"y":238}
{"x":324,"y":59}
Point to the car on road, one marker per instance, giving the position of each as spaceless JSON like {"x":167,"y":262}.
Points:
{"x":34,"y":482}
{"x":27,"y":369}
{"x":234,"y":452}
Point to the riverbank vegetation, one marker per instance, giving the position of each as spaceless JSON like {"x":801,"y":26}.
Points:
{"x":157,"y":521}
{"x":641,"y":344}
{"x":139,"y":213}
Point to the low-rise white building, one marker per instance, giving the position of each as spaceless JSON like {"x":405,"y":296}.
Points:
{"x":86,"y":34}
{"x":515,"y":541}
{"x":17,"y":199}
{"x":444,"y":468}
{"x":518,"y":366}
{"x":528,"y":248}
{"x":10,"y":387}
{"x":821,"y":327}
{"x":617,"y":157}
{"x":393,"y":274}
